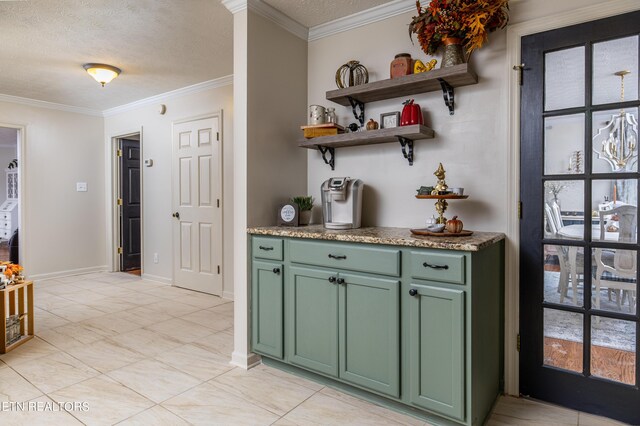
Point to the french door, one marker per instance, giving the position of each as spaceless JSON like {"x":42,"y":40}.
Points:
{"x":579,"y":189}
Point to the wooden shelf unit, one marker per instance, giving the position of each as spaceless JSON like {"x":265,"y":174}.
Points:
{"x":405,"y":135}
{"x":445,"y":79}
{"x":13,"y":298}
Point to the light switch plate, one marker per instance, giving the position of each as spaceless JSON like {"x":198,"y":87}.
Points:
{"x":81,"y":187}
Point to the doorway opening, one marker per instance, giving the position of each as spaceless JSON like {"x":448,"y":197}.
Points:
{"x":128,"y":204}
{"x":10,"y":195}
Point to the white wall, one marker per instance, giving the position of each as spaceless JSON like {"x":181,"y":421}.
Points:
{"x":64,"y":229}
{"x":157,"y":145}
{"x":470,"y":144}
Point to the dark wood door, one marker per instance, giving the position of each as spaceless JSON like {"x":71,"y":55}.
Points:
{"x":579,"y":188}
{"x":130,"y":223}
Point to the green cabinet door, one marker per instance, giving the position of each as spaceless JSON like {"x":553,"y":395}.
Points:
{"x":370,"y":333}
{"x":436,"y":350}
{"x":312,"y":320}
{"x":266,"y":308}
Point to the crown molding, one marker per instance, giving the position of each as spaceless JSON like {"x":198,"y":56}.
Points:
{"x":268,"y":12}
{"x":49,"y":105}
{"x":235,"y":6}
{"x":369,"y":16}
{"x":196,"y":88}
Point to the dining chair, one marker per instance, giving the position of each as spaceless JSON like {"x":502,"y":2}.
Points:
{"x":568,"y":271}
{"x":619,"y":265}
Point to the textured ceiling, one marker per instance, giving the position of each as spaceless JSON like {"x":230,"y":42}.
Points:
{"x":315,"y":12}
{"x":160,"y":45}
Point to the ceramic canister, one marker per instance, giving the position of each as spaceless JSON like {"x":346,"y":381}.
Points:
{"x":317,"y":115}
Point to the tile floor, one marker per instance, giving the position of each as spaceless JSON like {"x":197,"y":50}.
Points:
{"x":142,"y":353}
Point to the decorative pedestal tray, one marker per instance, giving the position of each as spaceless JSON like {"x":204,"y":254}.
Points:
{"x":442,"y":204}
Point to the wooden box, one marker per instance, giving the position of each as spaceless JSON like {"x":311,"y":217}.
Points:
{"x":321,"y":130}
{"x":15,"y":304}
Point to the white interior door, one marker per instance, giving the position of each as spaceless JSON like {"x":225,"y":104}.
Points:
{"x":197,"y":190}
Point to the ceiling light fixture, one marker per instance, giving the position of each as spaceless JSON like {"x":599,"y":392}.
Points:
{"x":102,"y":73}
{"x":619,"y":138}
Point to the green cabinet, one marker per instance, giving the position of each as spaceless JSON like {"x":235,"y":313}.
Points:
{"x":312,"y":329}
{"x":369,"y":329}
{"x":267,"y":299}
{"x":437,"y":349}
{"x":415,"y":329}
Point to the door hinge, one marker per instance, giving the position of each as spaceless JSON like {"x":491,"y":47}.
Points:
{"x":518,"y":343}
{"x":119,"y":153}
{"x":218,"y":201}
{"x":519,"y":69}
{"x":119,"y":201}
{"x":218,"y":136}
{"x":218,"y":269}
{"x":119,"y":250}
{"x":519,"y":209}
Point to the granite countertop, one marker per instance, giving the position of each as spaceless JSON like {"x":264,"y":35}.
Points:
{"x":383,"y":235}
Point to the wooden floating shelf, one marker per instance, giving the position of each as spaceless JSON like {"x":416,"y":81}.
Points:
{"x":430,"y":81}
{"x":370,"y":137}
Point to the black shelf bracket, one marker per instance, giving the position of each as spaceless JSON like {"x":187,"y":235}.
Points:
{"x":355,"y":104}
{"x":324,"y":150}
{"x":407,"y":148}
{"x":448,"y":94}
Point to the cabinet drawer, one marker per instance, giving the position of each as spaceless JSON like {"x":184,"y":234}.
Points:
{"x":5,"y":216}
{"x":267,"y":248}
{"x":5,"y":233}
{"x":5,"y":224}
{"x":446,"y":267}
{"x":347,"y":256}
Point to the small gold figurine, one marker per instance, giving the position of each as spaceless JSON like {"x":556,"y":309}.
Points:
{"x":441,"y":185}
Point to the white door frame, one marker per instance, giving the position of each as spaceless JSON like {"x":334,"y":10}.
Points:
{"x":113,"y":216}
{"x":512,"y":158}
{"x":21,"y":148}
{"x":219,"y":115}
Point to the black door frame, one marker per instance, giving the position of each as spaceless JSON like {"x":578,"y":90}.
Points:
{"x":576,"y":390}
{"x":130,"y":261}
{"x":116,"y":220}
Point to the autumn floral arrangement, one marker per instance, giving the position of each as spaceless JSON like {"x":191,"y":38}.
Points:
{"x":12,"y":272}
{"x":471,"y":21}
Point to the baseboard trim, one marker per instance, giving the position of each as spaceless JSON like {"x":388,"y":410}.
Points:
{"x":245,"y":361}
{"x":68,"y":273}
{"x":156,"y":278}
{"x":227,"y":295}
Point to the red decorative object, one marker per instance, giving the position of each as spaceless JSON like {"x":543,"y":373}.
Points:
{"x":411,"y":114}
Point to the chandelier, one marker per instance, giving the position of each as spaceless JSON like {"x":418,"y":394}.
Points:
{"x":619,"y":137}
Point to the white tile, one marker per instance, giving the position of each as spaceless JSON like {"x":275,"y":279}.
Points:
{"x":105,"y":355}
{"x":206,"y":318}
{"x":197,"y":362}
{"x":44,"y":320}
{"x":173,"y":308}
{"x":532,"y":412}
{"x":14,"y":387}
{"x":277,"y":395}
{"x":208,"y":401}
{"x":110,"y":325}
{"x":29,"y":351}
{"x":39,"y":412}
{"x":154,"y":380}
{"x":76,"y":312}
{"x":54,"y":372}
{"x":591,"y":420}
{"x":109,"y":402}
{"x":182,"y":330}
{"x":220,"y":342}
{"x":147,"y":342}
{"x":156,"y":416}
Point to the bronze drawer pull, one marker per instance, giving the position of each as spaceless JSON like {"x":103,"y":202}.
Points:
{"x":426,"y":265}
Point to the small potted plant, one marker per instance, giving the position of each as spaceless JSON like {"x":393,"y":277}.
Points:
{"x":305,"y":205}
